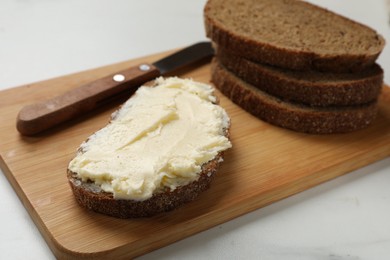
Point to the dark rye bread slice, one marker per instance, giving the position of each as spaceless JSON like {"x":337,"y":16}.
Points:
{"x":320,"y":120}
{"x":291,"y":34}
{"x":91,"y":196}
{"x":308,"y":87}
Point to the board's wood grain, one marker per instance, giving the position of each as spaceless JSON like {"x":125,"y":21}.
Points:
{"x":266,"y":164}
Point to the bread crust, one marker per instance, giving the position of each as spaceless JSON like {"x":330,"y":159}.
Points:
{"x":92,"y":197}
{"x":297,"y":117}
{"x":285,"y":56}
{"x":311,"y":88}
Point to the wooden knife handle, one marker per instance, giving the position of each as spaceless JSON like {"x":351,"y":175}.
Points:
{"x":35,"y":118}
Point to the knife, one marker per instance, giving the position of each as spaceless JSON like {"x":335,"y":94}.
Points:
{"x":35,"y":118}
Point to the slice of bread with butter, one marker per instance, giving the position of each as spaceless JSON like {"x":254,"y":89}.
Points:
{"x":160,"y":150}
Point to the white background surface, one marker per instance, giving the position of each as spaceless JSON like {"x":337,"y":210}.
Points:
{"x":346,"y":218}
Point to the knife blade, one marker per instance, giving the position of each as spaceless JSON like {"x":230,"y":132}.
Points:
{"x":35,"y":118}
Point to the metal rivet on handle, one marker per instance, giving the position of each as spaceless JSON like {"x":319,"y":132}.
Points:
{"x":118,"y":78}
{"x":144,"y":67}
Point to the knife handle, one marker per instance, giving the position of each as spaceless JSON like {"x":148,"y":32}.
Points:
{"x":38,"y":117}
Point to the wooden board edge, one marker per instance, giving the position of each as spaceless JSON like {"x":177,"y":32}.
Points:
{"x":51,"y":242}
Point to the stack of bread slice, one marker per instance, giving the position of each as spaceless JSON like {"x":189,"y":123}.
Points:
{"x":295,"y":65}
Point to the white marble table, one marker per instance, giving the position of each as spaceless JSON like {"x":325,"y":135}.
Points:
{"x":346,"y":218}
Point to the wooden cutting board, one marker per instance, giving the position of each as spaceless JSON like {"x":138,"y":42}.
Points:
{"x":265,"y":165}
